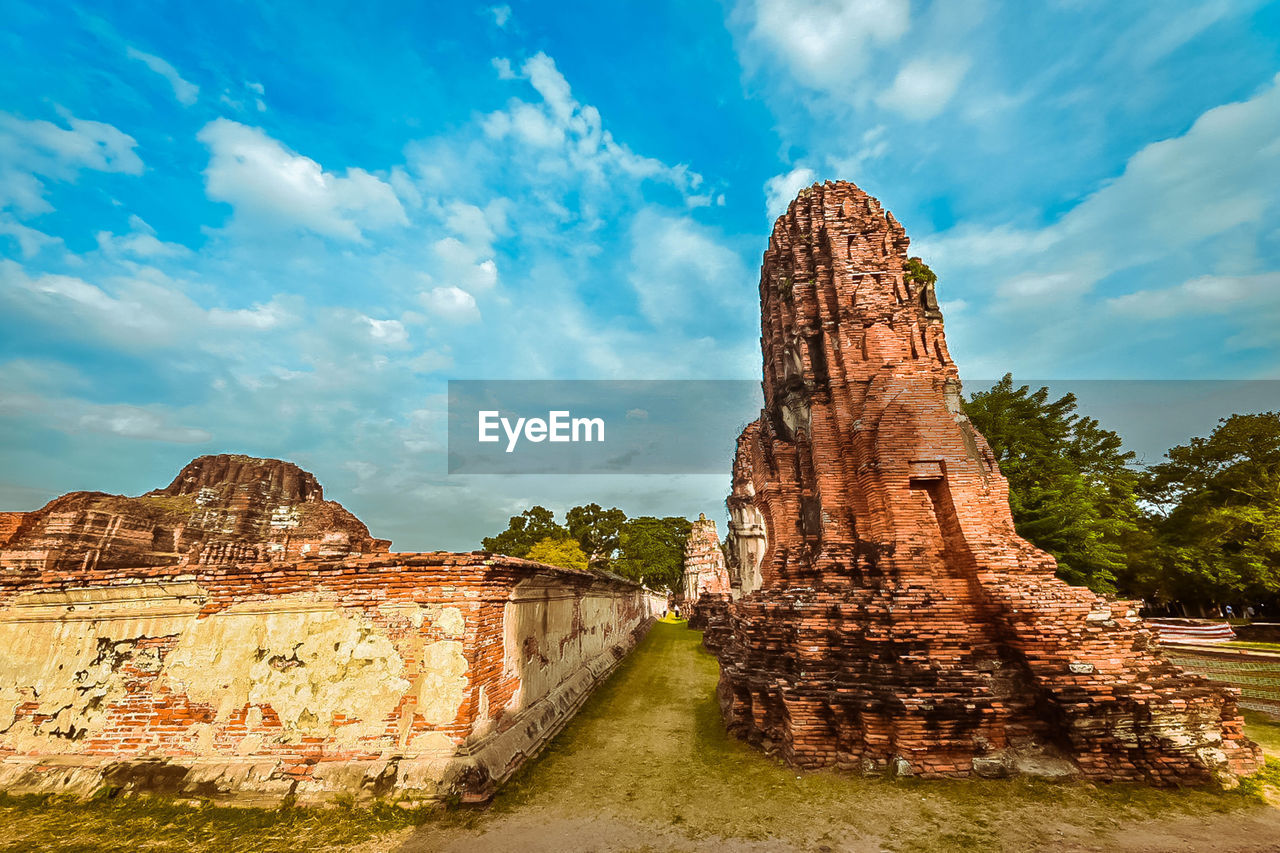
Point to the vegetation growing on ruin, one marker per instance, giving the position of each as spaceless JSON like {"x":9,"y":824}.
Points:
{"x":917,"y":271}
{"x":165,"y":507}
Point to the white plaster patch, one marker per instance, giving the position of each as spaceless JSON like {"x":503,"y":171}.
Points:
{"x":309,"y":664}
{"x":451,"y":622}
{"x":443,"y":684}
{"x":58,"y":656}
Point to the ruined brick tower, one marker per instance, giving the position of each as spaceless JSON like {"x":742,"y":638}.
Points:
{"x":891,"y":619}
{"x":706,"y":580}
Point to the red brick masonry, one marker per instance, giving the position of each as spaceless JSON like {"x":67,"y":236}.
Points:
{"x":423,"y":675}
{"x":706,"y":580}
{"x":891,"y":619}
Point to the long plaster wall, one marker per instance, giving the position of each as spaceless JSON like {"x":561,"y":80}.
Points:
{"x":420,"y":676}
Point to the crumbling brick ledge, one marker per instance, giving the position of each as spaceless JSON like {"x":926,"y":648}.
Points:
{"x":413,"y":676}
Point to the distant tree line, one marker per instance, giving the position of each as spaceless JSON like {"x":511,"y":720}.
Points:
{"x":1198,"y":530}
{"x":645,"y":549}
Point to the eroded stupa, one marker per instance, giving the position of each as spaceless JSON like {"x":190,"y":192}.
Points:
{"x":890,"y":618}
{"x":706,"y":579}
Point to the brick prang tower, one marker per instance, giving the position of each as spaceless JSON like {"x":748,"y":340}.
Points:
{"x":890,"y":618}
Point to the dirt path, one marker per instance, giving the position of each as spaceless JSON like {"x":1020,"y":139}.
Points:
{"x":646,"y":765}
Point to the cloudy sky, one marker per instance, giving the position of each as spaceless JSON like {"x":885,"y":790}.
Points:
{"x":278,"y":229}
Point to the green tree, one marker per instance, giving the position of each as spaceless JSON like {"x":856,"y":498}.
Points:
{"x":598,"y":532}
{"x":652,"y":551}
{"x":561,"y":551}
{"x":1217,"y":509}
{"x":1072,"y":488}
{"x":524,"y":531}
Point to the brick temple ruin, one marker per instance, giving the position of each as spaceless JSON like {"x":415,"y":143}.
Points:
{"x":706,"y":579}
{"x":235,"y":634}
{"x":220,"y":509}
{"x":891,"y":619}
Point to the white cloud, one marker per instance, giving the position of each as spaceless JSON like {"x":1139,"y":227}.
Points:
{"x":23,"y":394}
{"x":501,"y":15}
{"x":781,"y":189}
{"x":387,"y":332}
{"x":681,"y":271}
{"x":463,"y":265}
{"x":1195,"y":209}
{"x":1207,"y":294}
{"x":1155,"y":36}
{"x":140,"y":242}
{"x":185,"y":92}
{"x":923,"y":87}
{"x":29,"y":240}
{"x":142,"y":311}
{"x":270,"y":186}
{"x":824,"y":43}
{"x":135,"y":422}
{"x":568,"y":136}
{"x":873,"y":144}
{"x":1172,"y":195}
{"x":35,"y":149}
{"x":503,"y":67}
{"x":452,"y":304}
{"x":258,"y":318}
{"x":475,"y":226}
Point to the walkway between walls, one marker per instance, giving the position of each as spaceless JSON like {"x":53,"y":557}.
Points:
{"x":646,"y":765}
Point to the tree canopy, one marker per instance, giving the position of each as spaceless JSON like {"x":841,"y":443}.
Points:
{"x":524,"y":531}
{"x":652,"y":551}
{"x":1216,"y":510}
{"x":1072,"y":488}
{"x":561,"y":552}
{"x":598,"y":531}
{"x":645,"y":549}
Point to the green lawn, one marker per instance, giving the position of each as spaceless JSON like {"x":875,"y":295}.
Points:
{"x":1264,"y":730}
{"x":1244,"y":644}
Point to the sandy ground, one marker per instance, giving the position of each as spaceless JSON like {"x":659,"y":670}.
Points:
{"x":647,"y":766}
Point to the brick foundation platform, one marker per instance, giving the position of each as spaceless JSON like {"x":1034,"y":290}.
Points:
{"x":892,"y":620}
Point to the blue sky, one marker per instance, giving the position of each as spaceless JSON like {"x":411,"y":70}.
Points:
{"x":279,"y":228}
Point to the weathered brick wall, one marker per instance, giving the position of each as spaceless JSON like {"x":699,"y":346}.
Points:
{"x":1255,"y":674}
{"x":892,"y":619}
{"x":419,"y":675}
{"x":9,"y":524}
